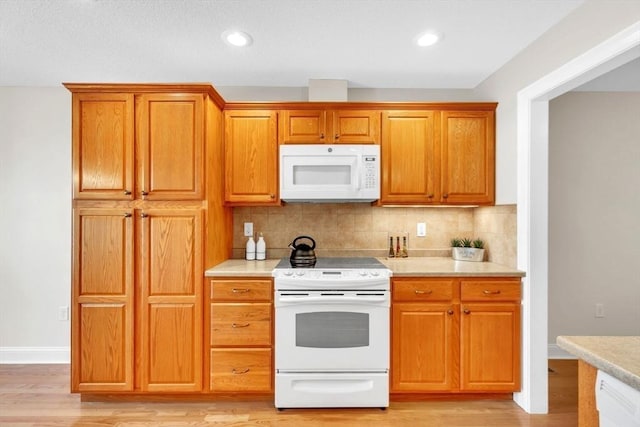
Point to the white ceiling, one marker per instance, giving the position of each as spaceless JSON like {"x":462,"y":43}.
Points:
{"x":367,"y":42}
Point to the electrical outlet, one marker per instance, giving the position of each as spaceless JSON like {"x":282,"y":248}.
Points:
{"x":599,"y":310}
{"x":421,"y":229}
{"x":248,"y":229}
{"x":63,"y":313}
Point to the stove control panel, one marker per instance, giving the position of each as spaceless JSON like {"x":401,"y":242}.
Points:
{"x":332,"y":275}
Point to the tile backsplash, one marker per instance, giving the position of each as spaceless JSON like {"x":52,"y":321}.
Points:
{"x":350,"y":229}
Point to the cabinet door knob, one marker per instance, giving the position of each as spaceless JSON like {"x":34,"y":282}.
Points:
{"x":144,"y":193}
{"x":143,"y":215}
{"x":337,"y":136}
{"x":445,"y":195}
{"x":273,"y":196}
{"x":430,"y":196}
{"x":450,"y":312}
{"x":235,"y":371}
{"x":467,"y":311}
{"x":322,"y":135}
{"x":127,"y":192}
{"x":421,"y":292}
{"x":128,"y":215}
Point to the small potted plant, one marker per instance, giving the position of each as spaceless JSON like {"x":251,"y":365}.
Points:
{"x":465,"y":249}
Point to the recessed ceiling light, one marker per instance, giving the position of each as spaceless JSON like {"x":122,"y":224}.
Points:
{"x":237,"y":38}
{"x":428,"y":39}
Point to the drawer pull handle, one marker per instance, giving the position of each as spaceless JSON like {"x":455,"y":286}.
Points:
{"x":488,"y":292}
{"x":235,"y":371}
{"x":240,"y":290}
{"x":239,"y":325}
{"x":421,"y":292}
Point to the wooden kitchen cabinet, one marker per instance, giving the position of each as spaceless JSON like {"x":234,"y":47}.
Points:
{"x":468,"y":157}
{"x":425,"y":335}
{"x":139,"y":209}
{"x":455,"y":335}
{"x":410,"y":168}
{"x":490,"y":335}
{"x":168,"y":132}
{"x":329,"y":127}
{"x":241,"y":335}
{"x":167,"y":325}
{"x":251,"y":158}
{"x":438,"y":157}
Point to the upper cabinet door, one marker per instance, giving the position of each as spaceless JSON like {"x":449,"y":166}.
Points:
{"x":468,"y":157}
{"x":103,"y":129}
{"x":355,"y":127}
{"x":170,"y":146}
{"x":329,"y":127}
{"x":251,"y":157}
{"x":409,"y":151}
{"x":303,"y":127}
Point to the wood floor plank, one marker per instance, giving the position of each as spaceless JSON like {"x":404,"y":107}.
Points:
{"x":38,"y":395}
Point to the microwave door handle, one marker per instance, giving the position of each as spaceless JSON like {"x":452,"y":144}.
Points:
{"x":359,"y":170}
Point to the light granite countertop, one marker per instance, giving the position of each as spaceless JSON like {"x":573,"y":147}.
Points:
{"x":241,"y":267}
{"x":617,"y":356}
{"x":441,"y":266}
{"x":417,"y":266}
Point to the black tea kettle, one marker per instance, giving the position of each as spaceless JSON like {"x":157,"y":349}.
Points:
{"x":302,"y":255}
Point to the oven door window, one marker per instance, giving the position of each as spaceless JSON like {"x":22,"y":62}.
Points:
{"x":332,"y":329}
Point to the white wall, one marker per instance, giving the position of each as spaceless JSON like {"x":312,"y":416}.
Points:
{"x":35,"y":222}
{"x":587,"y":26}
{"x":594,"y":213}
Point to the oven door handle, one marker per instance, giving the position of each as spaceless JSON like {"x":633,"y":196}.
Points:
{"x":334,"y":299}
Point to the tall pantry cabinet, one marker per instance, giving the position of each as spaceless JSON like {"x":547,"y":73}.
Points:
{"x":146,"y":193}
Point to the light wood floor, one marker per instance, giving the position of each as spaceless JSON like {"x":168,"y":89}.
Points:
{"x":38,"y":395}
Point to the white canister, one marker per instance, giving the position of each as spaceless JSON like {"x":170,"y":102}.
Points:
{"x":261,"y":248}
{"x":250,"y":253}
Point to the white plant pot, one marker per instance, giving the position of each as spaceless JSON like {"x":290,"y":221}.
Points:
{"x":467,"y":254}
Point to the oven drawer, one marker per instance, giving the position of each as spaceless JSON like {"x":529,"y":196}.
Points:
{"x":490,"y":290}
{"x":420,"y":289}
{"x":241,"y":324}
{"x":241,"y":290}
{"x":241,"y":370}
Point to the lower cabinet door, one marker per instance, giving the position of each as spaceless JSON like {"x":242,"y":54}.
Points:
{"x":490,"y":347}
{"x":170,"y":317}
{"x":424,"y":350}
{"x":241,"y":370}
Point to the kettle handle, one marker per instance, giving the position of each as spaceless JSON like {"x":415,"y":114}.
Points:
{"x":293,"y":244}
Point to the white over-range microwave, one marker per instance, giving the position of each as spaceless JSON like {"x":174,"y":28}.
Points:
{"x":329,"y":173}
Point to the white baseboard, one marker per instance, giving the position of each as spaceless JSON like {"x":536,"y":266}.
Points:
{"x":555,"y":352}
{"x":33,"y":355}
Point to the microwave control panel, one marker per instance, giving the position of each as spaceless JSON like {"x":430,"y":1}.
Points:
{"x":371,"y":168}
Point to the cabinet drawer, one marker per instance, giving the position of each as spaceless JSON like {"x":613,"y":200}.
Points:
{"x":241,"y":324}
{"x":421,"y":289}
{"x":241,"y":290}
{"x":490,"y":290}
{"x":242,"y":370}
